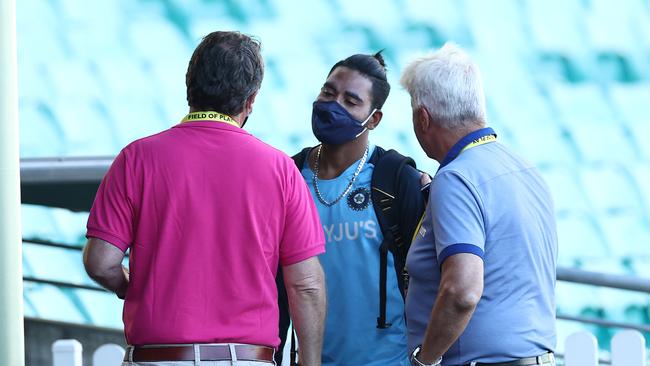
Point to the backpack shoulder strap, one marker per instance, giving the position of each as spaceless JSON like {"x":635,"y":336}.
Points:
{"x":385,"y":193}
{"x":385,"y":184}
{"x":300,"y":157}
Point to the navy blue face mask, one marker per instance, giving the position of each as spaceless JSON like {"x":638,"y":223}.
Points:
{"x":333,"y":125}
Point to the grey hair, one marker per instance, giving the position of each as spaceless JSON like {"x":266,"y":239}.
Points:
{"x":448,"y":84}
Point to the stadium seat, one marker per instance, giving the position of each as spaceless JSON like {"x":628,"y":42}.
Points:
{"x":563,"y":54}
{"x":568,"y":193}
{"x":611,"y":29}
{"x":491,"y":22}
{"x":56,"y":264}
{"x":37,"y":126}
{"x":38,"y":223}
{"x":50,"y":302}
{"x":581,"y":103}
{"x":103,"y":308}
{"x":610,"y":189}
{"x":446,"y":17}
{"x":627,"y":234}
{"x":85,"y":127}
{"x":641,"y":174}
{"x":580,"y":238}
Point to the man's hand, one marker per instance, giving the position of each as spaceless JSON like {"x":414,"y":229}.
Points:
{"x":425,"y":179}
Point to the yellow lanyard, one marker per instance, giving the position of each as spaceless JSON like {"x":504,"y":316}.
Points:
{"x":480,"y":141}
{"x":210,"y":116}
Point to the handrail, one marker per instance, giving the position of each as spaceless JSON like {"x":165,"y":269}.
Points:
{"x":47,"y":243}
{"x":64,"y":284}
{"x":605,"y":323}
{"x":603,"y":279}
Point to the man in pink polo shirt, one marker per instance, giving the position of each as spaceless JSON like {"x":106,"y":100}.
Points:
{"x":208,"y":211}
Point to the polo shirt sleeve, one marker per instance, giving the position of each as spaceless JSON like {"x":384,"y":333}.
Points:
{"x":303,"y":233}
{"x":111,"y":217}
{"x":458,"y":222}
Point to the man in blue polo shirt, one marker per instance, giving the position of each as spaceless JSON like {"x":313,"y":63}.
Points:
{"x":483,"y":263}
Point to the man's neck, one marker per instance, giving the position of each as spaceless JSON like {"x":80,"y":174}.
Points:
{"x":238,"y":118}
{"x":448,"y":138}
{"x":335,"y":159}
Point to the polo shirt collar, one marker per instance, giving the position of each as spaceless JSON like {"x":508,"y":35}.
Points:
{"x":464,"y":142}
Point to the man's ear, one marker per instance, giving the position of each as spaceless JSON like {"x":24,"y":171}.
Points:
{"x":250,"y":101}
{"x":373,"y":122}
{"x":423,"y":119}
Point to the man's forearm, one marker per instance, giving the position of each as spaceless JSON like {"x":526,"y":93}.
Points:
{"x":114,"y":279}
{"x":446,"y":324}
{"x":460,"y":291}
{"x":307,"y":304}
{"x":103,"y":263}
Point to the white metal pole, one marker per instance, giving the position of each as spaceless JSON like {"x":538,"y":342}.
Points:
{"x":12,"y":348}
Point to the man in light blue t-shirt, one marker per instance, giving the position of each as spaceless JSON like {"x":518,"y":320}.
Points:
{"x":483,"y":262}
{"x":339,"y":173}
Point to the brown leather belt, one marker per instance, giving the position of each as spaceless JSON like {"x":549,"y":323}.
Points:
{"x":207,"y":352}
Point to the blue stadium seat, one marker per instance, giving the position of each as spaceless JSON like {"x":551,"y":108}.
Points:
{"x":73,"y":79}
{"x":568,"y":194}
{"x":34,"y":83}
{"x":641,"y":174}
{"x":562,"y":46}
{"x":579,"y":237}
{"x":103,"y":308}
{"x":308,"y":17}
{"x":573,"y":299}
{"x":40,"y":136}
{"x":38,"y":223}
{"x":492,"y":22}
{"x":71,"y":226}
{"x":610,"y":189}
{"x":628,"y":234}
{"x":611,"y":28}
{"x":85,"y":127}
{"x":446,"y":17}
{"x":145,"y":37}
{"x":631,"y":102}
{"x":606,"y":143}
{"x":581,"y":103}
{"x":546,"y":143}
{"x":50,"y":302}
{"x":131,"y":120}
{"x":55,"y":264}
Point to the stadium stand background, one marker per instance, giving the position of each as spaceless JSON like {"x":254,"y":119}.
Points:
{"x":567,"y":82}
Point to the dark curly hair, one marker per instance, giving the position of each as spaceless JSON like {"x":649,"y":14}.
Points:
{"x":374,"y":68}
{"x":224,"y":71}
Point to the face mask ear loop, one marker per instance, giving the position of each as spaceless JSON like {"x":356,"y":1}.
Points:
{"x":366,"y":120}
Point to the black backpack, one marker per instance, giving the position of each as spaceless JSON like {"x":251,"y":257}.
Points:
{"x":394,"y":177}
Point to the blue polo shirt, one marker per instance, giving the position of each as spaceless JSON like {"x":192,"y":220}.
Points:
{"x":486,"y":201}
{"x":351,"y":266}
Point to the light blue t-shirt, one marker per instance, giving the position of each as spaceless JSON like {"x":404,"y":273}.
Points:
{"x":351,"y":265}
{"x":490,"y":203}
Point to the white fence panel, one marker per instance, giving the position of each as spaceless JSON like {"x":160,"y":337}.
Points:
{"x":108,"y":355}
{"x":67,"y":352}
{"x":628,"y":349}
{"x":581,"y":349}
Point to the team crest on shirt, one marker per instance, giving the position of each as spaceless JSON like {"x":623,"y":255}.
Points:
{"x":359,"y":199}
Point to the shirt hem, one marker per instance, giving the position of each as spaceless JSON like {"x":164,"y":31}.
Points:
{"x":109,"y":238}
{"x":460,"y":248}
{"x":305,"y":254}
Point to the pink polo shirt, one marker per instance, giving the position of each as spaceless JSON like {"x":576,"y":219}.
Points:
{"x":208,"y":210}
